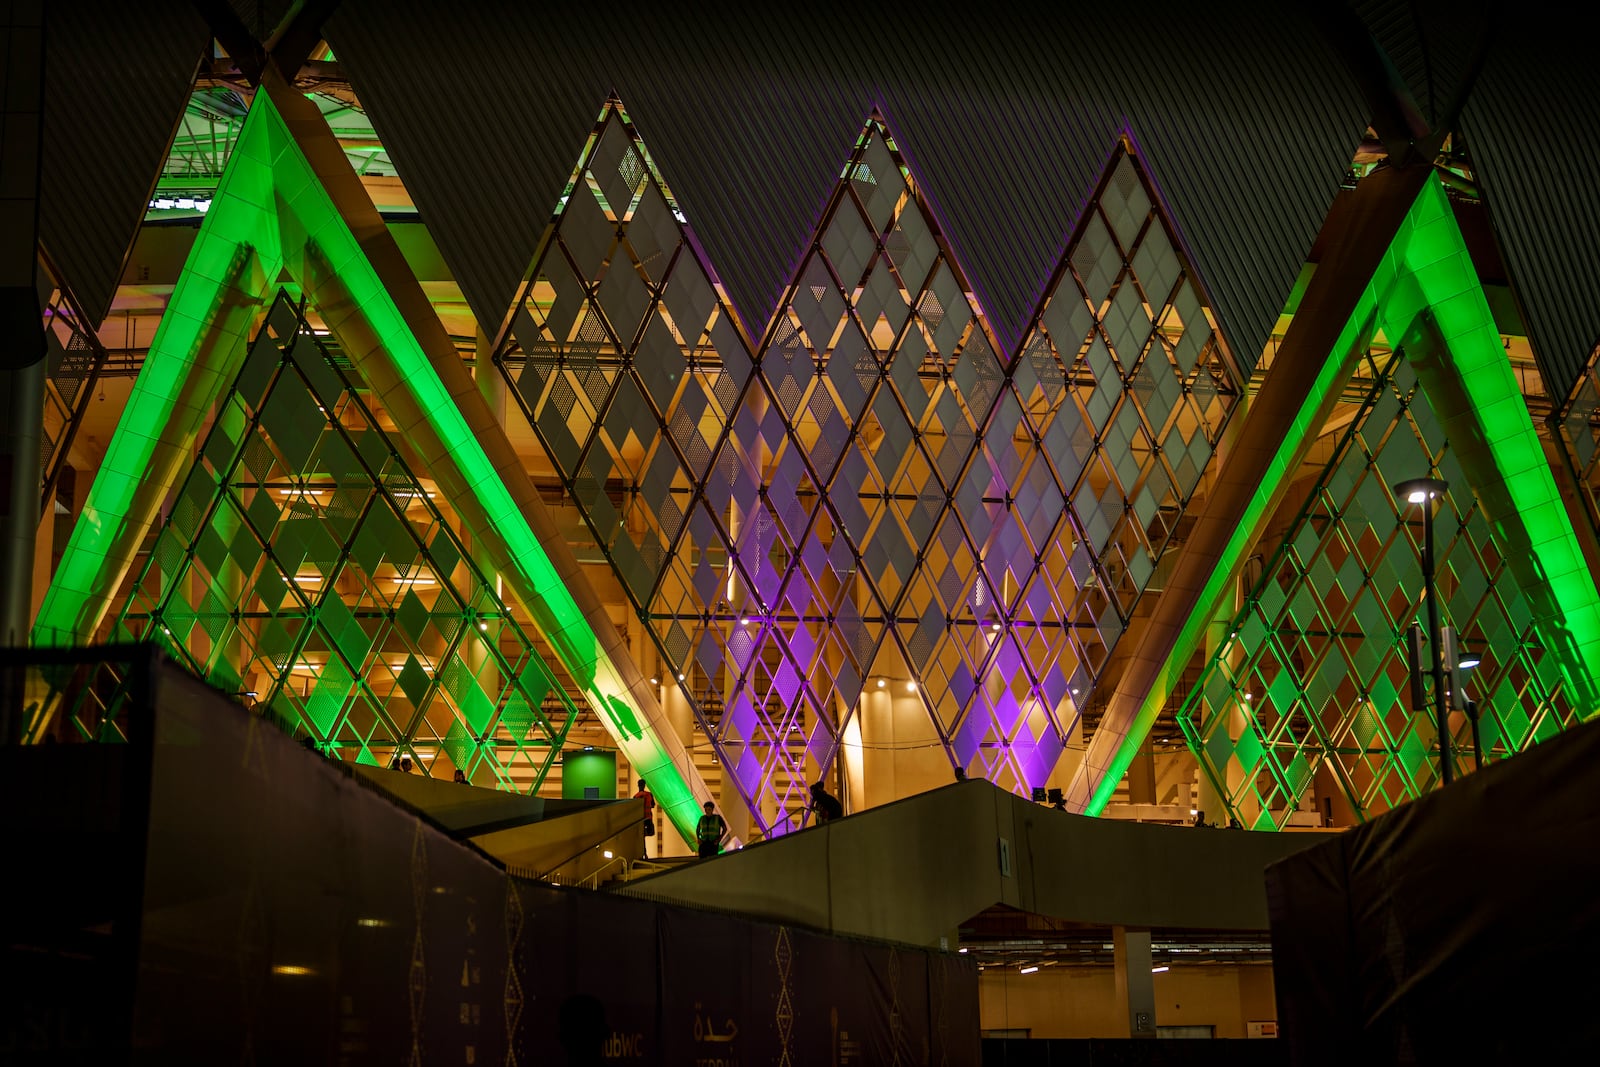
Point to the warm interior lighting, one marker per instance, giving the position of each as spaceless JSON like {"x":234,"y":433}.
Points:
{"x":882,"y":683}
{"x":301,"y":492}
{"x":607,"y":854}
{"x":416,"y":581}
{"x":911,"y":687}
{"x":308,"y":579}
{"x":1468,"y":661}
{"x":1028,"y":970}
{"x":1158,"y":970}
{"x":291,"y":968}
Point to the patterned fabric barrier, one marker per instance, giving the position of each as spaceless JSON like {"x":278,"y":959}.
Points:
{"x":293,"y":914}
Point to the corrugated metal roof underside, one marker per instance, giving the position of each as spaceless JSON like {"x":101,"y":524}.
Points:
{"x":1429,"y":42}
{"x":117,"y":78}
{"x":260,"y":17}
{"x":750,"y":115}
{"x":1530,"y":130}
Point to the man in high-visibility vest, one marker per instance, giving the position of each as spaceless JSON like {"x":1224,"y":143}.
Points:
{"x":710,"y":831}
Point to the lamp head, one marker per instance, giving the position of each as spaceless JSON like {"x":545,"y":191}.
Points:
{"x":1421,"y":490}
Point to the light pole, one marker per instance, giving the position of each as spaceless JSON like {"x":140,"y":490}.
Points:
{"x":1425,"y":491}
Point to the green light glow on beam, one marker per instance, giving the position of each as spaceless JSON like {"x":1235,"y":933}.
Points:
{"x":193,"y":356}
{"x":273,"y":213}
{"x":1445,"y":284}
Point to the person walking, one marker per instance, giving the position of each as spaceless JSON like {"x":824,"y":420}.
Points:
{"x":649,"y":815}
{"x":710,"y":831}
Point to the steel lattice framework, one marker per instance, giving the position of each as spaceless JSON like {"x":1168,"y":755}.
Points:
{"x":882,"y":492}
{"x":304,"y":562}
{"x":1578,"y":427}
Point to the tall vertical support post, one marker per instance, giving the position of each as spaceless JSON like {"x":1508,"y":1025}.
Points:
{"x":21,"y":328}
{"x":1440,"y":712}
{"x":1429,"y":492}
{"x":1135,"y":980}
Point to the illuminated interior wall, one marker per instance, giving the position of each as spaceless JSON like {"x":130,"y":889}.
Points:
{"x":887,"y":497}
{"x":304,"y":563}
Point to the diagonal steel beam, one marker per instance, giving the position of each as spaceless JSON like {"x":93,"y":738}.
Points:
{"x":371,"y":301}
{"x":1331,"y":328}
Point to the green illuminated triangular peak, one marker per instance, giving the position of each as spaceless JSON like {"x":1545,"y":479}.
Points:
{"x":1425,"y":297}
{"x":305,"y":563}
{"x":289,"y":201}
{"x":1315,"y":673}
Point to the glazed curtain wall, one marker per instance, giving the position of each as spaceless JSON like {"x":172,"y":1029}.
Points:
{"x":871,"y":492}
{"x":881,"y":497}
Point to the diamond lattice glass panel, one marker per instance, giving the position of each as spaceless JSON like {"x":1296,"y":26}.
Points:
{"x":889,"y":494}
{"x":1313,"y":679}
{"x":624,"y":356}
{"x":1122,"y":390}
{"x":306,"y":568}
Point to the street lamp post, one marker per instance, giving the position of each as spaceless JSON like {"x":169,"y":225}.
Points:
{"x":1425,"y":491}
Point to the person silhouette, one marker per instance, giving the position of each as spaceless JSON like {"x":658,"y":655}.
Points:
{"x":825,"y":804}
{"x":649,"y":799}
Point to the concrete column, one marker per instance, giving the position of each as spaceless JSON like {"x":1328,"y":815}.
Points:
{"x":1135,"y":984}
